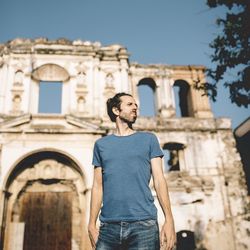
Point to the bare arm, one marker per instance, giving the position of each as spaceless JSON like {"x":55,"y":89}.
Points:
{"x":168,"y":235}
{"x":95,"y":205}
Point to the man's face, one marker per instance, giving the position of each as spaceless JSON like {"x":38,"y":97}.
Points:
{"x":128,"y":109}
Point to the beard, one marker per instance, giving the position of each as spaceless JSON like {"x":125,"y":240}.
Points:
{"x":129,"y":119}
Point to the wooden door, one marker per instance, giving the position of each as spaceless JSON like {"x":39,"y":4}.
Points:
{"x":47,"y":217}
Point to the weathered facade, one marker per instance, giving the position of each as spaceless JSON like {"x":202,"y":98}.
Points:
{"x":45,"y":158}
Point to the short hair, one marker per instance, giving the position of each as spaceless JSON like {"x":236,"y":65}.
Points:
{"x":115,"y":102}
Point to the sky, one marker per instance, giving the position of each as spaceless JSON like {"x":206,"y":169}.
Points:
{"x":173,"y":32}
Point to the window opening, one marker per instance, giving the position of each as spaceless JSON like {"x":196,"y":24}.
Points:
{"x":181,"y":93}
{"x":18,"y":77}
{"x":50,"y":97}
{"x":146,"y":90}
{"x":173,"y":154}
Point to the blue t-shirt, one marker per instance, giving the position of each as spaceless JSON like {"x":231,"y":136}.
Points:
{"x":126,"y":172}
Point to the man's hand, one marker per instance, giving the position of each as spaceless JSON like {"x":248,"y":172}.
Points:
{"x":93,"y":235}
{"x":168,"y":236}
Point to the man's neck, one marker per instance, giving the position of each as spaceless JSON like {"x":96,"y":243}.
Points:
{"x":123,"y":129}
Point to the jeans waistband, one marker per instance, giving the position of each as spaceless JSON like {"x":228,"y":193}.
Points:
{"x":124,"y":223}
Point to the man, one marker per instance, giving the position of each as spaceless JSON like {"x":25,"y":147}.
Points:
{"x":124,"y":162}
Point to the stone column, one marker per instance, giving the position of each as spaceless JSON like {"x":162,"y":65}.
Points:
{"x":90,"y":79}
{"x":201,"y":107}
{"x":102,"y":98}
{"x":182,"y":162}
{"x":134,"y":88}
{"x":133,"y":83}
{"x":8,"y":82}
{"x":34,"y":96}
{"x":157,"y":96}
{"x":27,"y":90}
{"x":163,"y":93}
{"x":68,"y":96}
{"x":200,"y":104}
{"x":16,"y":236}
{"x":124,"y":77}
{"x":33,"y":89}
{"x":167,"y":109}
{"x":3,"y":85}
{"x":1,"y":216}
{"x":96,"y":88}
{"x":3,"y":203}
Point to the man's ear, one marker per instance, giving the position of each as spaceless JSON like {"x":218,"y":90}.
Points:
{"x":115,"y":110}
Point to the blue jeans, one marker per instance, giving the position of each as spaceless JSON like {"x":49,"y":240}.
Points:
{"x":137,"y":235}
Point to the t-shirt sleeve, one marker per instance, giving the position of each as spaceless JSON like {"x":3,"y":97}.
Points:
{"x":155,"y":149}
{"x":96,"y":156}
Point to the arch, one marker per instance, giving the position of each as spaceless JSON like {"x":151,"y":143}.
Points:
{"x":16,"y":102}
{"x":50,"y":72}
{"x":81,"y":78}
{"x":182,"y":98}
{"x":17,"y":165}
{"x":40,"y":178}
{"x":18,"y":79}
{"x":17,"y":98}
{"x":81,"y":104}
{"x":173,"y":156}
{"x":109,"y":79}
{"x":147,"y":99}
{"x":185,"y":240}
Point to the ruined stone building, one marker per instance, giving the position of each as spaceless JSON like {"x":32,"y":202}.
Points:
{"x":46,"y":154}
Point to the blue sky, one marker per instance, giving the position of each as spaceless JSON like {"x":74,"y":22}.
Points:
{"x":159,"y":31}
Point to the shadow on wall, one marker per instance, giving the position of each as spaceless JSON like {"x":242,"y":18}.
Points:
{"x":242,"y":136}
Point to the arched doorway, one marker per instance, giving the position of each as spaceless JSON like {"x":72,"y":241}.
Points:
{"x":45,"y":208}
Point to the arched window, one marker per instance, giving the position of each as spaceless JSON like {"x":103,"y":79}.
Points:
{"x":81,"y":78}
{"x":173,"y":156}
{"x":80,"y":104}
{"x":146,"y":90}
{"x":182,"y":99}
{"x":18,"y":77}
{"x":16,"y":102}
{"x":50,"y":78}
{"x":109,"y":80}
{"x":185,"y":240}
